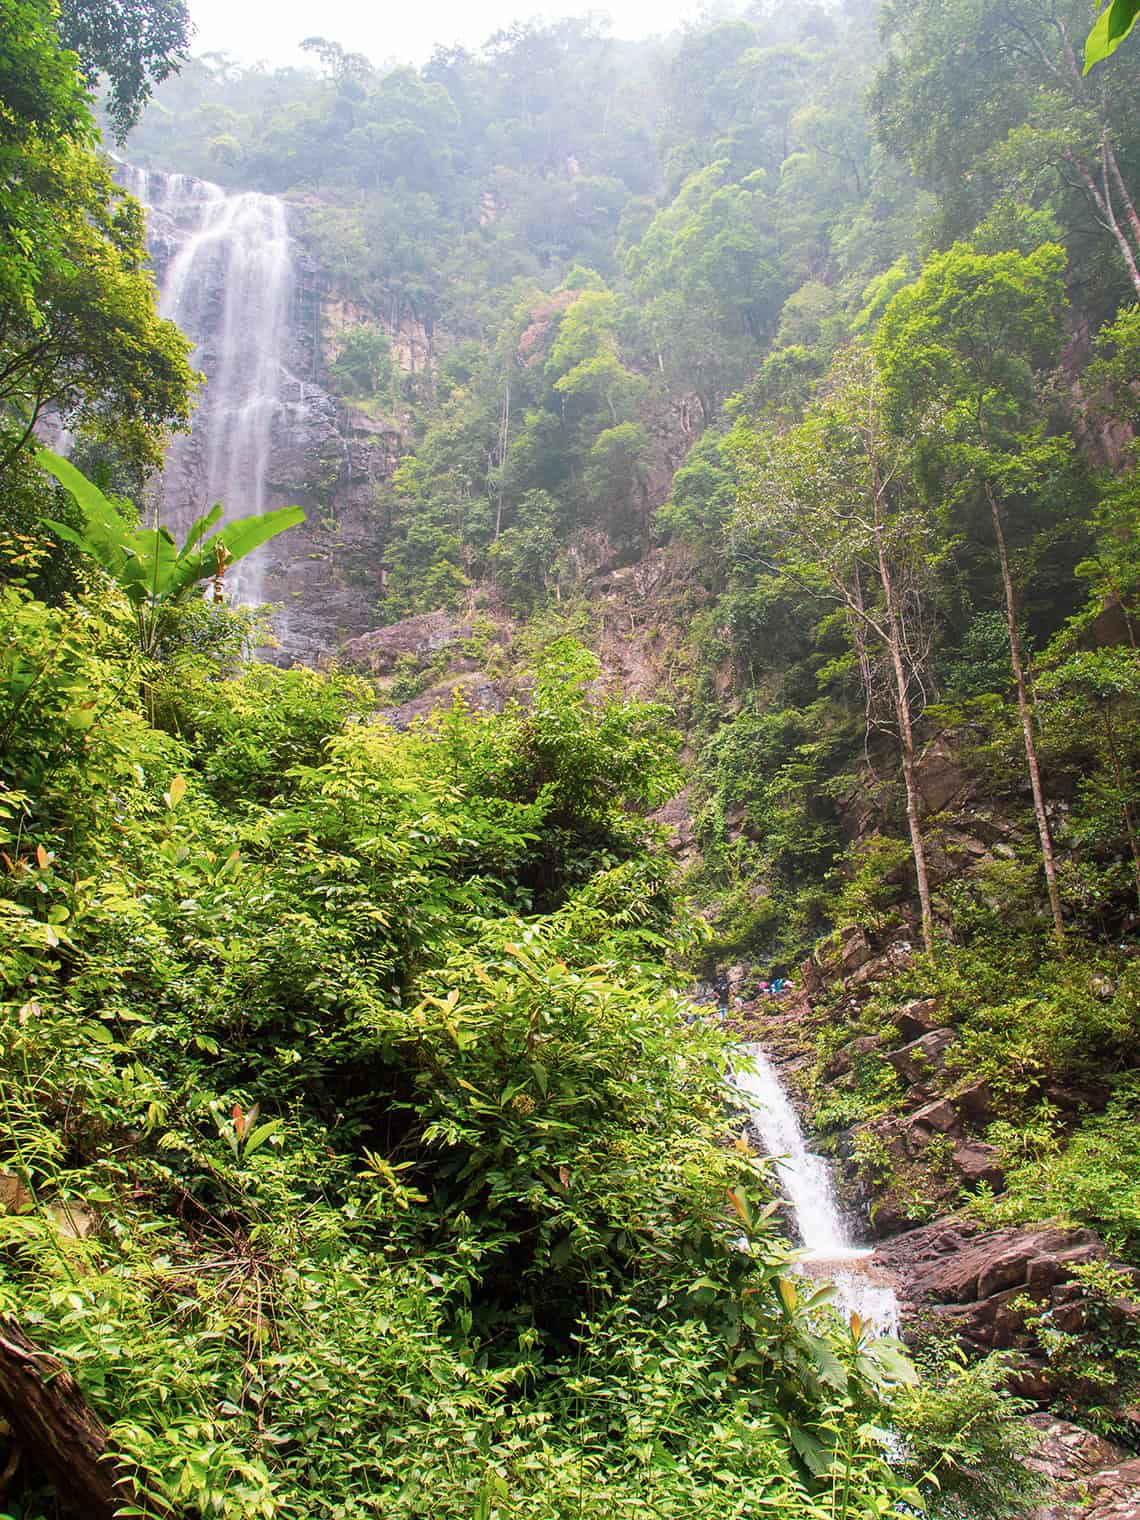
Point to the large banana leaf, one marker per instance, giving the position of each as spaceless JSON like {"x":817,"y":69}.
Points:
{"x":106,"y":537}
{"x":238,"y":538}
{"x":199,"y":529}
{"x":146,"y":562}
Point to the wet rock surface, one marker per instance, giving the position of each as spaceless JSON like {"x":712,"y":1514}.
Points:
{"x":955,"y":1272}
{"x":263,"y":359}
{"x":1089,"y":1477}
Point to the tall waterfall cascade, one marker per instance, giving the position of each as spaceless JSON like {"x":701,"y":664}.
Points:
{"x":806,"y":1181}
{"x":225,"y":267}
{"x":235,"y":271}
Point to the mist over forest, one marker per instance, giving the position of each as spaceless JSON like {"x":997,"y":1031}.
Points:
{"x":570,"y":769}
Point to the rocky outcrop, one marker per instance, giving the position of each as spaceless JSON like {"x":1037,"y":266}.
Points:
{"x":423,"y":663}
{"x":474,"y":688}
{"x":417,"y":638}
{"x":970,"y":1278}
{"x":848,"y":957}
{"x":1015,"y":1290}
{"x":1089,"y":1478}
{"x":940,"y":776}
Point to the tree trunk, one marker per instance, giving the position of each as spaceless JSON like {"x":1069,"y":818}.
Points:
{"x":906,"y":745}
{"x":1109,"y":165}
{"x":1124,"y":192}
{"x":1027,"y":721}
{"x":1103,"y":204}
{"x":59,"y":1432}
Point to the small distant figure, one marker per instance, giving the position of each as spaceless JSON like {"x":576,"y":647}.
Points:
{"x":780,"y":985}
{"x":721,"y":993}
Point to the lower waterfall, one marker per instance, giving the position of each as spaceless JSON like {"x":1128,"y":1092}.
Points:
{"x":806,"y":1181}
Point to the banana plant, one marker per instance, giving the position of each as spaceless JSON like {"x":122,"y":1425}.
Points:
{"x":147,"y":563}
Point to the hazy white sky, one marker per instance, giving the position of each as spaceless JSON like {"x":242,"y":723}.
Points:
{"x":406,"y":30}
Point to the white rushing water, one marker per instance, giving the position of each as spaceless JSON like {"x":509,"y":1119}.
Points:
{"x":228,"y":285}
{"x":806,"y":1180}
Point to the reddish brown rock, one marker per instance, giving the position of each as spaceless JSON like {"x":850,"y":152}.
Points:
{"x":1089,"y":1478}
{"x":976,"y":1162}
{"x":917,"y":1018}
{"x":918,"y":1061}
{"x":977,"y":1280}
{"x":836,"y":958}
{"x":974,"y":1101}
{"x":938,"y":1116}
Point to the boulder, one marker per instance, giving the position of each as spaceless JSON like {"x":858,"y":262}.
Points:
{"x":897,"y":958}
{"x":974,"y":1102}
{"x":842,"y":954}
{"x":938,"y":1116}
{"x":976,"y":1162}
{"x":677,"y":816}
{"x":1087,"y":1476}
{"x":917,"y":1018}
{"x":916,"y":1062}
{"x":14,"y":1197}
{"x":938,"y":775}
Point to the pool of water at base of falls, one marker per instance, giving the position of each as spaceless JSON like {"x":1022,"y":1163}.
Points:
{"x":828,"y":1254}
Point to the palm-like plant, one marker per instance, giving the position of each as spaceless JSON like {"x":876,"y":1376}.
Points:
{"x":147,"y":563}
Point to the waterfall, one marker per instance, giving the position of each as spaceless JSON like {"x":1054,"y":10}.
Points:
{"x":806,"y":1181}
{"x":224,"y":264}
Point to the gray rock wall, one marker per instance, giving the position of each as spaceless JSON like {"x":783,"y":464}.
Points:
{"x":317,"y":452}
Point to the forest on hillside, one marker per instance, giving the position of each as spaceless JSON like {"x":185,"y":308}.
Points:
{"x":361,"y":1149}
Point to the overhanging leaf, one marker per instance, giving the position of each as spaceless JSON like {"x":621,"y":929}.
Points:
{"x":1109,"y":30}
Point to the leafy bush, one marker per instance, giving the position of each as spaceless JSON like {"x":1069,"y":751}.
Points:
{"x":963,"y":1438}
{"x":343,"y":1181}
{"x":1091,"y":1177}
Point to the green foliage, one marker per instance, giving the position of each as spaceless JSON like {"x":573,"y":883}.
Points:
{"x":410,"y":1183}
{"x":363,"y":365}
{"x":1095,"y":1355}
{"x":1112,"y":26}
{"x":875,"y":883}
{"x":362,"y":1149}
{"x":958,"y":1425}
{"x":79,"y":333}
{"x":985,"y":99}
{"x":134,"y":44}
{"x":702,"y":496}
{"x":1091,"y":1176}
{"x":153,"y":572}
{"x":497,"y":210}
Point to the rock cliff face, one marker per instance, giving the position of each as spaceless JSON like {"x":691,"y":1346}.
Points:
{"x":234,"y":273}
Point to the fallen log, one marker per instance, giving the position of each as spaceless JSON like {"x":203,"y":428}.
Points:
{"x":59,"y":1432}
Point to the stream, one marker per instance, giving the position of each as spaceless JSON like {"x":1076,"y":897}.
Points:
{"x":828,"y":1251}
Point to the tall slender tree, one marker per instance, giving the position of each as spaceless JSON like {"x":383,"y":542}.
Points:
{"x":834,"y":498}
{"x":961,"y":349}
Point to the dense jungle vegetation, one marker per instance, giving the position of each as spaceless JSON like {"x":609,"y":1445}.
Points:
{"x":359,"y":1154}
